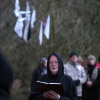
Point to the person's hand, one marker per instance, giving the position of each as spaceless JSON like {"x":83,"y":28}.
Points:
{"x":51,"y":95}
{"x":77,"y":82}
{"x":89,"y":83}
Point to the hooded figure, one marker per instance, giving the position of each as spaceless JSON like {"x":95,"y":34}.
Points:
{"x":6,"y":78}
{"x":55,"y":74}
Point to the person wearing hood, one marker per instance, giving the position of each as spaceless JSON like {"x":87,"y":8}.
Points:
{"x":55,"y":74}
{"x":40,"y":70}
{"x":91,"y":88}
{"x":6,"y":78}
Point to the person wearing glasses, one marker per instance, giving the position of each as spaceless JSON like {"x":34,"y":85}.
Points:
{"x":55,"y":74}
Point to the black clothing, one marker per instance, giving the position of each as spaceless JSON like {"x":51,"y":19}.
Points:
{"x":79,"y":98}
{"x":36,"y":74}
{"x":65,"y":80}
{"x":90,"y":69}
{"x":93,"y":92}
{"x":6,"y":78}
{"x":77,"y":82}
{"x":40,"y":70}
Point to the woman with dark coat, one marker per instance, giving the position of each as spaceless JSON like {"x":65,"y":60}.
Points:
{"x":55,"y":74}
{"x":40,"y":70}
{"x":91,"y":89}
{"x":6,"y":78}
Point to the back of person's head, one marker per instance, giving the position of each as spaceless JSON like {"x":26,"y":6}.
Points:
{"x":81,"y":61}
{"x":6,"y":77}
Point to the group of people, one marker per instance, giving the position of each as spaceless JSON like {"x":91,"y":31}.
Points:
{"x":55,"y":74}
{"x":80,"y":81}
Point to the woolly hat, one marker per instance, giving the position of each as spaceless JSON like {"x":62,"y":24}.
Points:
{"x":91,"y":57}
{"x":73,"y":53}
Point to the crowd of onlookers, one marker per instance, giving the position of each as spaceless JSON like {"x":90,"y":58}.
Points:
{"x":86,"y":76}
{"x":80,"y":79}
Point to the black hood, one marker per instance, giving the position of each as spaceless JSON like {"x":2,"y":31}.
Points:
{"x":60,"y":66}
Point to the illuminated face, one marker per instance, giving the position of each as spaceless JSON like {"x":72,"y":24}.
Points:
{"x":74,"y":58}
{"x":53,"y":64}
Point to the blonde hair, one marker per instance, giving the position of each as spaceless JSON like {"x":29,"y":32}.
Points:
{"x":81,"y":61}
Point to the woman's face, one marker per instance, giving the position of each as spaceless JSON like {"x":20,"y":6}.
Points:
{"x":53,"y":65}
{"x":91,"y":62}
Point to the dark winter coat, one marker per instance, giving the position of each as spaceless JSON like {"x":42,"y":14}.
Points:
{"x":66,"y":81}
{"x":93,"y":92}
{"x":36,"y":74}
{"x":6,"y":78}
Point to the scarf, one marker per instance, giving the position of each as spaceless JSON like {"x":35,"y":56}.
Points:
{"x":93,"y":75}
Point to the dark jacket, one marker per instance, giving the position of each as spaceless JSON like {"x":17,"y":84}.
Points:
{"x":35,"y":75}
{"x":6,"y":78}
{"x":93,"y":92}
{"x":66,"y":81}
{"x":40,"y":70}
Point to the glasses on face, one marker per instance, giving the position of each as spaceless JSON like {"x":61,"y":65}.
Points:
{"x":53,"y":62}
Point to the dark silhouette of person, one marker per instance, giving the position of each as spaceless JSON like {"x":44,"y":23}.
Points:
{"x":40,"y":70}
{"x":6,"y":78}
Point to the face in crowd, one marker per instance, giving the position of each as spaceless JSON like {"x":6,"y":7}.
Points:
{"x":74,"y":58}
{"x":91,"y":62}
{"x":53,"y":64}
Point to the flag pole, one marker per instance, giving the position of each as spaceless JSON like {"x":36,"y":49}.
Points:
{"x":53,"y":38}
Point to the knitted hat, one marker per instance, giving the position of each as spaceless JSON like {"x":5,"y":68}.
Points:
{"x":92,"y":57}
{"x":72,"y":54}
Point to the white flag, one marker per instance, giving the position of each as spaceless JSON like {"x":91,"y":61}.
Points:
{"x":47,"y":27}
{"x":26,"y":31}
{"x":41,"y":33}
{"x":25,"y":12}
{"x":17,"y":8}
{"x":27,"y":22}
{"x":19,"y":27}
{"x":33,"y":18}
{"x":21,"y":19}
